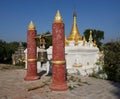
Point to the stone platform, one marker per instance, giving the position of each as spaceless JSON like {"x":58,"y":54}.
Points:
{"x":13,"y":86}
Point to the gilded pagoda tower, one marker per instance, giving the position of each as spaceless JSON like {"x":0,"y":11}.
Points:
{"x":74,"y":34}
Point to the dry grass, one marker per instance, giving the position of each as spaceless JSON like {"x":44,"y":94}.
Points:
{"x":9,"y":67}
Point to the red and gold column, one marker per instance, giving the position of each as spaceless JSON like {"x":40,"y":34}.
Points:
{"x":58,"y":55}
{"x":31,"y":54}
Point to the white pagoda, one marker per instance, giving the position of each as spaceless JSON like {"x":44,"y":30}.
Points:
{"x":81,"y":56}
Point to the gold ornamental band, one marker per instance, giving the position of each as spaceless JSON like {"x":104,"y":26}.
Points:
{"x":31,"y":60}
{"x":58,"y":62}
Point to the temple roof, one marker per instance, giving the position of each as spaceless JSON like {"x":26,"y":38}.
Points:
{"x":74,"y":34}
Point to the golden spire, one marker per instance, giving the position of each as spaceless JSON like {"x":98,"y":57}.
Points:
{"x":84,"y":40}
{"x":94,"y":44}
{"x":74,"y":34}
{"x":90,"y":37}
{"x":31,"y":26}
{"x":66,"y":41}
{"x":58,"y":18}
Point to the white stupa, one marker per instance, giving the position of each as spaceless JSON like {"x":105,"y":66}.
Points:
{"x":81,"y":56}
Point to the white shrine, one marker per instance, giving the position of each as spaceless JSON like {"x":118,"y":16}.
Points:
{"x":81,"y":56}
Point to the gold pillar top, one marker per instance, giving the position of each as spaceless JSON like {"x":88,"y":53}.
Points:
{"x":58,"y":18}
{"x":31,"y":26}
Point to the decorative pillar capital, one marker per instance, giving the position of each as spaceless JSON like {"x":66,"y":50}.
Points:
{"x":31,"y":26}
{"x":58,"y":18}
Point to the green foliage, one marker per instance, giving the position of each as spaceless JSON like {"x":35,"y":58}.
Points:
{"x":112,"y":60}
{"x":11,"y":67}
{"x":22,"y":64}
{"x":96,"y":34}
{"x":95,"y":75}
{"x":2,"y":50}
{"x":24,"y":45}
{"x":7,"y":49}
{"x":38,"y":41}
{"x":48,"y":40}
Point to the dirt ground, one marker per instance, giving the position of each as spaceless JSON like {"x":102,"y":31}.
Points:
{"x":13,"y":86}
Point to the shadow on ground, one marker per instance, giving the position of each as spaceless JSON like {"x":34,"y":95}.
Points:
{"x":117,"y":90}
{"x":43,"y":73}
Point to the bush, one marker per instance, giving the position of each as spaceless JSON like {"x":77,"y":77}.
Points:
{"x":112,"y":60}
{"x":22,"y":64}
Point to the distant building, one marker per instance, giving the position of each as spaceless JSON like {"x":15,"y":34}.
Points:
{"x":19,"y":55}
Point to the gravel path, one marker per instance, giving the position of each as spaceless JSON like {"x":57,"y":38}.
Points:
{"x":13,"y":86}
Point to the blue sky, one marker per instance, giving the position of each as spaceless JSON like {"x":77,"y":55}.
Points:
{"x":15,"y":16}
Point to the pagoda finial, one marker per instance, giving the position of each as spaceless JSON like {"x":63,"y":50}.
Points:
{"x":84,"y":40}
{"x":94,"y":44}
{"x":90,"y":37}
{"x":74,"y":14}
{"x":58,"y":18}
{"x":31,"y":26}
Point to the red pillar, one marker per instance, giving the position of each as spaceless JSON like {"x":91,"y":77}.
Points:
{"x":58,"y":55}
{"x":31,"y":54}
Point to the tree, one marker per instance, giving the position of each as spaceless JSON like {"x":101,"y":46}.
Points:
{"x":7,"y":49}
{"x":112,"y":60}
{"x":24,"y":45}
{"x":96,"y":34}
{"x":2,"y":50}
{"x":48,"y":39}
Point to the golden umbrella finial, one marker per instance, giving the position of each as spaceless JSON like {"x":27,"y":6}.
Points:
{"x":94,"y":44}
{"x":90,"y":37}
{"x":58,"y":18}
{"x":31,"y":26}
